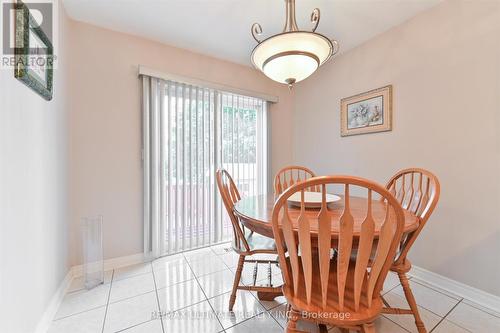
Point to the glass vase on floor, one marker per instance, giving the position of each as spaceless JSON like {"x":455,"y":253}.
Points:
{"x":93,"y":269}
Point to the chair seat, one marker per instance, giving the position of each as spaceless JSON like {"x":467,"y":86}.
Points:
{"x":332,"y":313}
{"x":258,"y":243}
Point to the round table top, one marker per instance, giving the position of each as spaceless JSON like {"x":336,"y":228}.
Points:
{"x":255,"y":213}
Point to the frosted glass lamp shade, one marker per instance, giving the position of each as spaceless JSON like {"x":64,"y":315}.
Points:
{"x":293,"y":56}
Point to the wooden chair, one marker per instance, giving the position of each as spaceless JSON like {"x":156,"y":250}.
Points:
{"x":417,"y":190}
{"x":328,"y":287}
{"x":246,"y":243}
{"x":289,"y":176}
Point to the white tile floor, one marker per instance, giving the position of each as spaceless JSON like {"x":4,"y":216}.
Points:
{"x":193,"y":288}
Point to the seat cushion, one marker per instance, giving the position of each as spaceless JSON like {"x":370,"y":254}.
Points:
{"x":258,"y":242}
{"x":332,"y":313}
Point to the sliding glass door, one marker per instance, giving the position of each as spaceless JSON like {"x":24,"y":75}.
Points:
{"x":190,"y":132}
{"x":243,"y":149}
{"x":188,"y":162}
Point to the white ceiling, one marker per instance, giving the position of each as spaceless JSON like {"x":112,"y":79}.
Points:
{"x":221,"y":28}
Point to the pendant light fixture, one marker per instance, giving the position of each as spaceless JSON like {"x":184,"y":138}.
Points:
{"x":293,"y":55}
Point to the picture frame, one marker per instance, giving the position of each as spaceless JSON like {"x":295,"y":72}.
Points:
{"x":368,"y":112}
{"x":34,"y":53}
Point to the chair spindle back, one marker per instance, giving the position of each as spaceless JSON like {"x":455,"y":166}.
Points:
{"x":417,"y":190}
{"x":291,"y":175}
{"x":230,"y":196}
{"x":318,"y":230}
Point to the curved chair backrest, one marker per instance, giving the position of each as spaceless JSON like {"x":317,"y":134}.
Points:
{"x":417,"y":190}
{"x":300,"y":231}
{"x":291,"y":175}
{"x":230,"y":195}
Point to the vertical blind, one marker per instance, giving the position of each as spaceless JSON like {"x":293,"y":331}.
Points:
{"x":190,"y":132}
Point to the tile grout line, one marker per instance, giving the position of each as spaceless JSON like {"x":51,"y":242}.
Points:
{"x":107,"y":301}
{"x":198,"y":259}
{"x":477,"y":307}
{"x":276,"y":320}
{"x":381,"y":314}
{"x":392,"y":321}
{"x":262,"y":304}
{"x":130,"y":297}
{"x":421,"y":306}
{"x":425,"y":284}
{"x":135,"y":325}
{"x":187,"y":306}
{"x":252,"y":317}
{"x":80,"y":312}
{"x":222,"y":270}
{"x":157,"y":297}
{"x":271,"y":315}
{"x":257,"y":314}
{"x":228,"y":292}
{"x":446,"y":315}
{"x":131,"y":277}
{"x":388,"y":291}
{"x":438,"y":315}
{"x":204,"y":294}
{"x":442,"y":292}
{"x":449,"y":295}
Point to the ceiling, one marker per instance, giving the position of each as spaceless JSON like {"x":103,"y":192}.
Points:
{"x":221,"y":28}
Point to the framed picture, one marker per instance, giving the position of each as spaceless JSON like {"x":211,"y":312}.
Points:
{"x":368,"y":112}
{"x":34,"y":53}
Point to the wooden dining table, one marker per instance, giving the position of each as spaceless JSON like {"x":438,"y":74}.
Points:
{"x":255,"y":213}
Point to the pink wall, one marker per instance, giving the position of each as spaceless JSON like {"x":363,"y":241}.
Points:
{"x":105,"y":126}
{"x":444,"y":65}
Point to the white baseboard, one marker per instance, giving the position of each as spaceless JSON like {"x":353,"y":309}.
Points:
{"x":74,"y":272}
{"x":114,"y":263}
{"x":467,"y":292}
{"x":55,"y":302}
